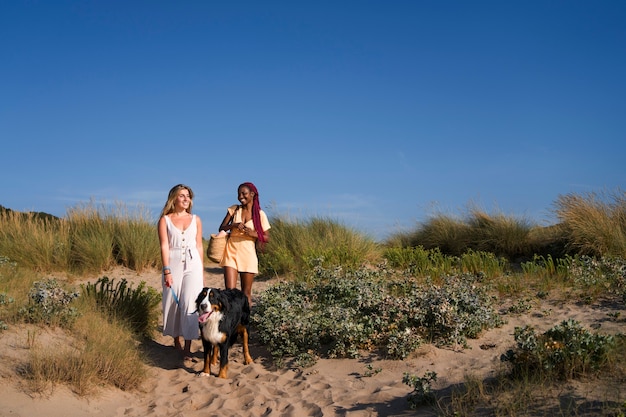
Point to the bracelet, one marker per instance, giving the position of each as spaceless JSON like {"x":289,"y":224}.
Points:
{"x":167,"y":273}
{"x":166,"y":268}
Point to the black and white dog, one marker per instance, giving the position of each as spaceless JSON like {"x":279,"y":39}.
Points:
{"x":223,"y":316}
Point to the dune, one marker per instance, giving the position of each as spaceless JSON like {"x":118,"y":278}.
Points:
{"x":368,"y":386}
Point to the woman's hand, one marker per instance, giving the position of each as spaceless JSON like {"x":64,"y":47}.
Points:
{"x":167,"y":278}
{"x":250,"y":232}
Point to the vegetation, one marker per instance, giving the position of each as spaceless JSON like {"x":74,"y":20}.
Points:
{"x":90,"y":239}
{"x":298,"y":246}
{"x":337,"y":313}
{"x":134,"y":306}
{"x":564,"y":352}
{"x":106,"y":347}
{"x":594,"y":223}
{"x":342,"y":294}
{"x":104,"y":353}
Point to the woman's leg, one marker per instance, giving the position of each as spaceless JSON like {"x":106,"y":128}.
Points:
{"x":247,"y":278}
{"x":187,"y":351}
{"x":230,"y":277}
{"x":177,"y":344}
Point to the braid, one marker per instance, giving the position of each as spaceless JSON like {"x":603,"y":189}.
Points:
{"x":256,"y":212}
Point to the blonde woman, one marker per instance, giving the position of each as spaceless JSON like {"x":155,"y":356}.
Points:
{"x":180,"y":236}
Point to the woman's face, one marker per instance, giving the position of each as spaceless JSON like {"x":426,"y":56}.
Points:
{"x":183,"y":199}
{"x":245,"y":195}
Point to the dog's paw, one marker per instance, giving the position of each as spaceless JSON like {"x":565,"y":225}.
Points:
{"x":203,"y":374}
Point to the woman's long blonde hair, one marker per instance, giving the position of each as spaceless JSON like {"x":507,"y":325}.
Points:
{"x":171,"y":197}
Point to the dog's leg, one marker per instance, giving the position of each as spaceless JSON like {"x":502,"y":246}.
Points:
{"x":243,"y":331}
{"x":207,"y":349}
{"x":214,"y":354}
{"x":223,"y":360}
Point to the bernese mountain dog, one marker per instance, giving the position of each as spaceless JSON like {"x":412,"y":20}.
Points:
{"x":223,"y":315}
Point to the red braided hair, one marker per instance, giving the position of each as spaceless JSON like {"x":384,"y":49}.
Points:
{"x":256,"y":211}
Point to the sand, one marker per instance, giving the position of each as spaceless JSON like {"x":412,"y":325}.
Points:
{"x":369,"y":386}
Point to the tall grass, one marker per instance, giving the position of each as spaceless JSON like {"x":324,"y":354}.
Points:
{"x":106,"y":353}
{"x":449,"y":234}
{"x":296,"y":246}
{"x":500,"y":234}
{"x":39,"y":243}
{"x":594,"y":223}
{"x":479,"y":231}
{"x":589,"y":224}
{"x":91,"y":238}
{"x":136,"y":242}
{"x":15,"y":284}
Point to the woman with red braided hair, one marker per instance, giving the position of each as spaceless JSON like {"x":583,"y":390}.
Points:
{"x":247,"y":223}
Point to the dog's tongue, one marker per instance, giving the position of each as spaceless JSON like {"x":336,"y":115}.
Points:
{"x":204,"y":317}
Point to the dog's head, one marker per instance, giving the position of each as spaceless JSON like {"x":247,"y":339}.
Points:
{"x":209,"y":301}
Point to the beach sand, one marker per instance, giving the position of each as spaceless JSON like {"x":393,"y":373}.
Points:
{"x":368,"y":386}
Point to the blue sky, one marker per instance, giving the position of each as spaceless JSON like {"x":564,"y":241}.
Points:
{"x":377,"y":114}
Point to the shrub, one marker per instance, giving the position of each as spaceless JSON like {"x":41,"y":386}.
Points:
{"x":336,"y":313}
{"x":50,"y":304}
{"x":563,"y":352}
{"x":606,"y":272}
{"x":132,"y":306}
{"x":422,"y":392}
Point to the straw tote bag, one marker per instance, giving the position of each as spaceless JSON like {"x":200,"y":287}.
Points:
{"x":217,"y":245}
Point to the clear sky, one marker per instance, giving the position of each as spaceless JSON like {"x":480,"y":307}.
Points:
{"x":377,"y":114}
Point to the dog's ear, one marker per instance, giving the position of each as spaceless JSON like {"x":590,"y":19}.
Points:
{"x":201,"y":295}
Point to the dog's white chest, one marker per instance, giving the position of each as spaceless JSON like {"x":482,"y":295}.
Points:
{"x":210,"y":330}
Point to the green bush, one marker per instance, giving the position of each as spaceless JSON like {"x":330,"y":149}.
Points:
{"x":566,"y":351}
{"x":422,"y":393}
{"x":336,"y":313}
{"x":50,"y":304}
{"x":134,"y":306}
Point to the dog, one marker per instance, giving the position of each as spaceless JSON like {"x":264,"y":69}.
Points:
{"x":223,"y":315}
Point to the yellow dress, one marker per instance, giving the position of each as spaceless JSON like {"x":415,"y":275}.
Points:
{"x":240,"y":252}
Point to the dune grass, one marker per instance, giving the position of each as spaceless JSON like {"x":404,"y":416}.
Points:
{"x":39,"y":243}
{"x":594,"y":223}
{"x":91,"y":238}
{"x":105,"y":352}
{"x":102,"y":345}
{"x":297,"y":246}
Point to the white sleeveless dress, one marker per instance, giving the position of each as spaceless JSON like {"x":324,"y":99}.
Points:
{"x":180,"y":317}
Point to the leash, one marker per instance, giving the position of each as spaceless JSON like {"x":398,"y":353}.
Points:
{"x":175,"y":296}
